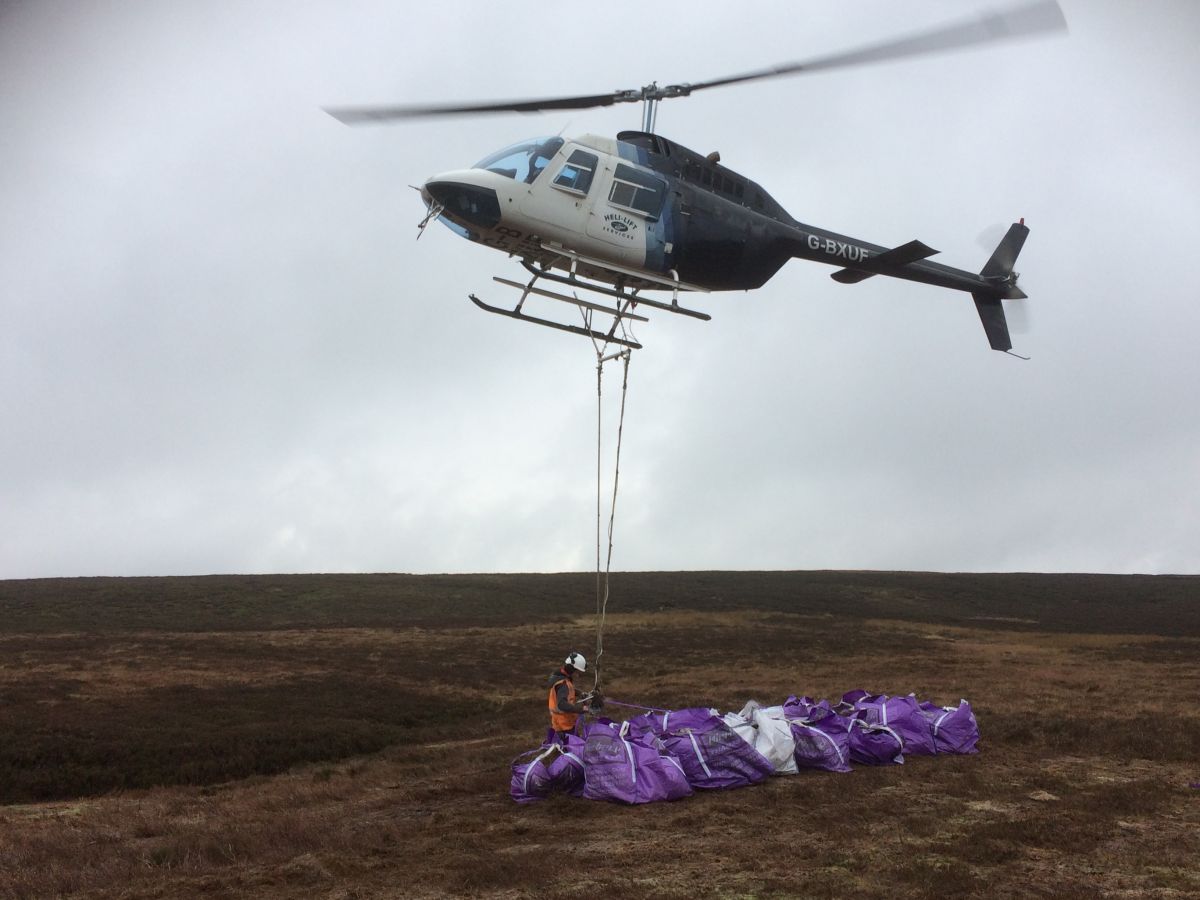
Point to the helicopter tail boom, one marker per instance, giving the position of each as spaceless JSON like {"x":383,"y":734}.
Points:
{"x":995,"y":282}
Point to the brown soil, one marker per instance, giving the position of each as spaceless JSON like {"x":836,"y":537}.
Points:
{"x":350,"y":736}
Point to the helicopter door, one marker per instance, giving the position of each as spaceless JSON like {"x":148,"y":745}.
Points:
{"x":627,"y":209}
{"x":563,"y":199}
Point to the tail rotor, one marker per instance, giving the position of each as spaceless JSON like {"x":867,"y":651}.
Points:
{"x":998,"y":272}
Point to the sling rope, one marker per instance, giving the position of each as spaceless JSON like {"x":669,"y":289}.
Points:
{"x":602,"y":584}
{"x":608,"y":701}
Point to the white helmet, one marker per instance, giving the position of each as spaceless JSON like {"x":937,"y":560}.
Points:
{"x":576,"y":661}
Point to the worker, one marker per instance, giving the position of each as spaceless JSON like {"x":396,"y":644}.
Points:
{"x":565,"y":708}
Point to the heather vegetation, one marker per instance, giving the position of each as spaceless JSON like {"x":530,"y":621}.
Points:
{"x":350,"y":735}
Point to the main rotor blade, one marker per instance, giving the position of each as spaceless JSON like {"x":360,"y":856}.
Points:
{"x":363,"y":114}
{"x":1035,"y":18}
{"x":1026,"y":21}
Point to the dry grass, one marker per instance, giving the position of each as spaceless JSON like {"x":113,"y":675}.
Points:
{"x":311,"y":747}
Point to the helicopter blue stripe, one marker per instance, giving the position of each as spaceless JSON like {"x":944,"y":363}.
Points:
{"x":658,"y":235}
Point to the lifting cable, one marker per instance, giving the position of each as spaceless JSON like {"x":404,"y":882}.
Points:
{"x":602,"y":581}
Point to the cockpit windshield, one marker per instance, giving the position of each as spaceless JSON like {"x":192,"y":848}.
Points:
{"x":524,"y":161}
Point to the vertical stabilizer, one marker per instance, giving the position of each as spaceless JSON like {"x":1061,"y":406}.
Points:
{"x":999,"y":271}
{"x":991,"y":314}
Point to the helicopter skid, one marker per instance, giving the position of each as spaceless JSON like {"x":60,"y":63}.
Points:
{"x":574,"y":329}
{"x":574,"y":301}
{"x":573,"y":281}
{"x":625,"y":287}
{"x":622,"y":277}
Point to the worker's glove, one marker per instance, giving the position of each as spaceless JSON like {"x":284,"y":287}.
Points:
{"x":596,"y":701}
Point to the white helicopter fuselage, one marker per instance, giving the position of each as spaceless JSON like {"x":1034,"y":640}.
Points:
{"x":534,"y":199}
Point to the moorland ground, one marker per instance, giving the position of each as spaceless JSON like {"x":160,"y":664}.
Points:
{"x":350,"y":736}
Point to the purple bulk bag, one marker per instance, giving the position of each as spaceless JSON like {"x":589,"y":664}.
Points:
{"x":819,"y":709}
{"x":954,"y":727}
{"x":566,"y":769}
{"x":712,"y":755}
{"x":798,"y":707}
{"x":904,"y":716}
{"x":661,"y":721}
{"x":874,"y":745}
{"x":557,"y":768}
{"x":647,"y":723}
{"x":850,"y":698}
{"x":530,"y":780}
{"x":629,"y":770}
{"x":822,"y":740}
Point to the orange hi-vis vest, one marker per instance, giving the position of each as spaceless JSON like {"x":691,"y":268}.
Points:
{"x":562,"y":721}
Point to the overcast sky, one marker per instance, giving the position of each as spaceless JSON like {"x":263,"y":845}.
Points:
{"x":222,"y":350}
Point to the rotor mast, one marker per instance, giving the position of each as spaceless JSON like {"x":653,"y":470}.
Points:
{"x":649,"y":95}
{"x":649,"y":114}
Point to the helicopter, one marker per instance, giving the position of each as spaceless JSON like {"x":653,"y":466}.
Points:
{"x":623,"y":217}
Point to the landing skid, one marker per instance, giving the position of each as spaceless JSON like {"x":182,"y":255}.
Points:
{"x":608,"y":338}
{"x":625,"y":290}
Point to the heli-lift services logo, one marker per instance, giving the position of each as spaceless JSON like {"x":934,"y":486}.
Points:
{"x":620,"y":225}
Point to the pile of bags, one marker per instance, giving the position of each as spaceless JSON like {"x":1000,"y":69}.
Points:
{"x":665,"y":755}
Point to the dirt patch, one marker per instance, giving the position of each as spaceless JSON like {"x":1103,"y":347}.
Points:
{"x":314,"y":738}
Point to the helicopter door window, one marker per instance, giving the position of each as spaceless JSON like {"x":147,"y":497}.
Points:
{"x":637,"y":190}
{"x":576,"y":174}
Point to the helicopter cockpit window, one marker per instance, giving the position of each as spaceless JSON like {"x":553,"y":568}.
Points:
{"x":576,"y":173}
{"x":637,"y":190}
{"x":524,"y":161}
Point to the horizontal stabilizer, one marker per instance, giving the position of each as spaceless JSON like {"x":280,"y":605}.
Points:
{"x":850,"y":276}
{"x":883,"y":262}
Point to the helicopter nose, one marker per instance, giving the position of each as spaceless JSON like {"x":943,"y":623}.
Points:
{"x":468,"y":204}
